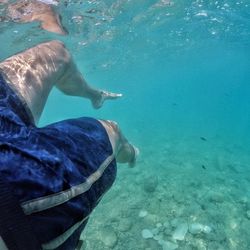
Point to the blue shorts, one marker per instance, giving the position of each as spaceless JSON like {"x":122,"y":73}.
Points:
{"x":58,"y":172}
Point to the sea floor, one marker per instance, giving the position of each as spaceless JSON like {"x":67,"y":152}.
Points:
{"x":190,"y":194}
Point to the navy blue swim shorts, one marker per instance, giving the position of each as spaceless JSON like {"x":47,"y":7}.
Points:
{"x":58,"y":173}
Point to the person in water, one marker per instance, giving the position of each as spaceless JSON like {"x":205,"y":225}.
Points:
{"x":58,"y":172}
{"x":35,"y":11}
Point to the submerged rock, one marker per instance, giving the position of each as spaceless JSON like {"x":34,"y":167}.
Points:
{"x":166,"y":224}
{"x":147,"y":234}
{"x":215,"y":197}
{"x":197,"y":228}
{"x":155,"y":231}
{"x":151,"y":219}
{"x":175,"y":222}
{"x":180,"y":232}
{"x":248,"y":214}
{"x":150,"y":184}
{"x":143,"y":213}
{"x":167,"y":245}
{"x":206,"y":229}
{"x":108,"y":237}
{"x":158,"y":237}
{"x":159,"y":225}
{"x":124,"y":225}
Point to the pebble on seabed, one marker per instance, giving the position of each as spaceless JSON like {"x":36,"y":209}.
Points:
{"x":147,"y":234}
{"x":197,"y":228}
{"x":108,"y":237}
{"x":143,"y":213}
{"x":167,"y":245}
{"x":180,"y":232}
{"x":124,"y":225}
{"x":150,"y":184}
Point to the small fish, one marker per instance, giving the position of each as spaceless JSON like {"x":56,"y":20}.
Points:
{"x":203,"y":166}
{"x":203,"y":138}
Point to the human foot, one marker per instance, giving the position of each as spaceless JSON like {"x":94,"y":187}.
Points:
{"x":104,"y":95}
{"x":136,"y":152}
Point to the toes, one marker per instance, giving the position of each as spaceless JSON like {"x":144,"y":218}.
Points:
{"x":110,"y":95}
{"x":105,"y":95}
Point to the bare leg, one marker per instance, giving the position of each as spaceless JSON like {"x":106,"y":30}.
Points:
{"x":123,"y":150}
{"x":72,"y":83}
{"x":35,"y":71}
{"x":30,"y":11}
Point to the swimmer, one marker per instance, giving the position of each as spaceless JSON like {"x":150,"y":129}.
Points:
{"x":35,"y":11}
{"x":58,"y":172}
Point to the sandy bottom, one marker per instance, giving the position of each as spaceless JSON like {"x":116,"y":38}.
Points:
{"x":190,"y":194}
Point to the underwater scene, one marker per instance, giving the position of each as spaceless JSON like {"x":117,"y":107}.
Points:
{"x":183,"y":67}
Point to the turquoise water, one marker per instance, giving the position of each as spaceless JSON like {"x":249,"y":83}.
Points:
{"x":183,"y":68}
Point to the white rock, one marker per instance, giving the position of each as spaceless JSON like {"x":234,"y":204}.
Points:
{"x":147,"y":234}
{"x":180,"y":232}
{"x":143,"y":213}
{"x":195,"y":228}
{"x":206,"y":229}
{"x":167,"y":245}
